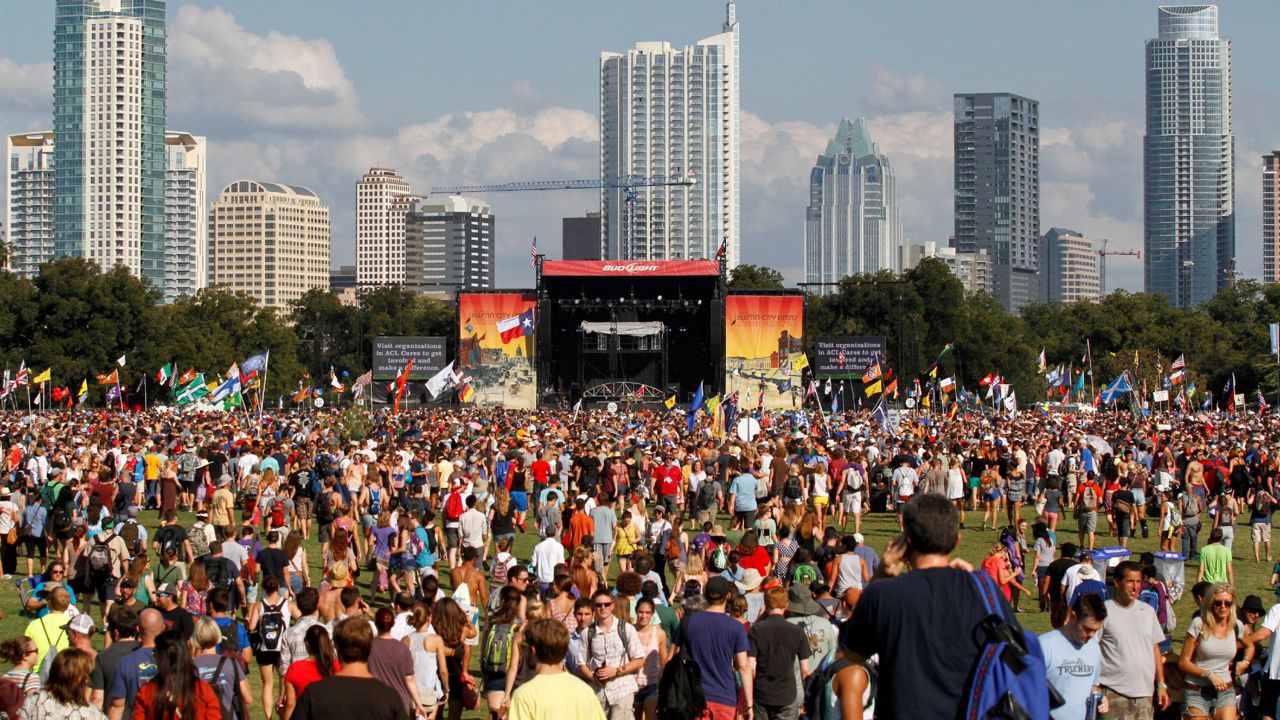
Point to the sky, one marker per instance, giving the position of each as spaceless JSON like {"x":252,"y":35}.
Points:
{"x":491,"y":91}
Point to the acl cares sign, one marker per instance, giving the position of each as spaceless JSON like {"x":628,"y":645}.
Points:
{"x":614,"y":268}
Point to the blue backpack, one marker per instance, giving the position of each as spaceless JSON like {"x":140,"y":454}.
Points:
{"x":1008,"y":681}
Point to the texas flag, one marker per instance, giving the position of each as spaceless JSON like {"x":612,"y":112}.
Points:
{"x":516,"y":327}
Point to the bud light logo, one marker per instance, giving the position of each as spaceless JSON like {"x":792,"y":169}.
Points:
{"x":630,"y":268}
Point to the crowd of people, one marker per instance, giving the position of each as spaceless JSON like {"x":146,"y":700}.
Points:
{"x":437,"y":561}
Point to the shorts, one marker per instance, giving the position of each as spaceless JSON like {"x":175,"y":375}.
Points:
{"x":1260,"y":532}
{"x":36,"y":546}
{"x":494,"y":683}
{"x":303,"y":507}
{"x":1170,"y":532}
{"x":993,"y":495}
{"x":267,"y":658}
{"x":326,"y":531}
{"x":646,"y":692}
{"x":1270,"y":692}
{"x":1207,"y":700}
{"x":451,"y":537}
{"x":1123,"y":526}
{"x":974,"y":482}
{"x":1087,"y":521}
{"x":1052,"y":517}
{"x":1127,"y":708}
{"x":746,"y":517}
{"x":821,"y":500}
{"x":520,"y":501}
{"x":852,"y":502}
{"x":105,"y":589}
{"x":188,"y":486}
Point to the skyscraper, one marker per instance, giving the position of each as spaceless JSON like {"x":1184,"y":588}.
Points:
{"x":1270,"y":216}
{"x":851,"y":224}
{"x":186,"y":220}
{"x":448,"y":245}
{"x":668,"y":112}
{"x":109,"y":89}
{"x":379,"y":229}
{"x":997,"y":189}
{"x":29,"y":202}
{"x":580,"y":237}
{"x":1189,"y":236}
{"x":1069,"y":267}
{"x":269,"y":241}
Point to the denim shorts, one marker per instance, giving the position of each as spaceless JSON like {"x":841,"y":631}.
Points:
{"x":647,"y":692}
{"x":1207,"y":700}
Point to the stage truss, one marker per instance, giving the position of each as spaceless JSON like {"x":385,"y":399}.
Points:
{"x":623,"y":391}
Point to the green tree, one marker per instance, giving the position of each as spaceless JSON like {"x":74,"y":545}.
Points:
{"x":754,"y":277}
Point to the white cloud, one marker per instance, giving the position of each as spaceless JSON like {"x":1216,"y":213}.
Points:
{"x":226,"y":76}
{"x":27,"y":88}
{"x":892,"y":92}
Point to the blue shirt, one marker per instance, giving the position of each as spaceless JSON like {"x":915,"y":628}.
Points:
{"x":714,"y":638}
{"x":1086,"y":459}
{"x":1073,"y":670}
{"x":34,"y":518}
{"x":132,"y":672}
{"x":224,"y":623}
{"x":743,"y":490}
{"x":45,"y":610}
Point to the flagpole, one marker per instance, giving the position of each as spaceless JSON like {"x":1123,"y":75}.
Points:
{"x":119,"y":393}
{"x":28,"y":398}
{"x":144,"y":392}
{"x":1088,"y":353}
{"x":262,"y":391}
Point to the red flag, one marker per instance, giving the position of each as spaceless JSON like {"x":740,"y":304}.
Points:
{"x":401,"y":381}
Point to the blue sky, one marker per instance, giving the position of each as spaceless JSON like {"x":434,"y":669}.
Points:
{"x":315,"y":92}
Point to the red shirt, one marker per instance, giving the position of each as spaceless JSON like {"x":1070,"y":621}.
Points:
{"x":208,"y":707}
{"x":758,"y":559}
{"x":541,"y":469}
{"x":668,"y":478}
{"x":304,"y":672}
{"x":993,"y":566}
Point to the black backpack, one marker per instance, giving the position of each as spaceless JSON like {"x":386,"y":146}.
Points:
{"x":707,"y":495}
{"x":219,"y":576}
{"x":271,"y":627}
{"x":237,"y":711}
{"x":792,"y":490}
{"x":680,"y":695}
{"x":815,"y":686}
{"x":324,"y":508}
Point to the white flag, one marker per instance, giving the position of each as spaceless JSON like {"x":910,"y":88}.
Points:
{"x":441,"y":381}
{"x":120,"y":361}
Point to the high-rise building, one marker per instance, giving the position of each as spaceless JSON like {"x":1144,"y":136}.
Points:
{"x":851,"y":224}
{"x":1270,"y":217}
{"x":379,"y":230}
{"x":972,"y":268}
{"x":1070,"y":268}
{"x":29,"y":201}
{"x":997,"y":189}
{"x":666,"y":112}
{"x":448,"y":245}
{"x":580,"y":237}
{"x":268,"y":241}
{"x":1189,"y":235}
{"x":109,"y":86}
{"x":186,"y":218}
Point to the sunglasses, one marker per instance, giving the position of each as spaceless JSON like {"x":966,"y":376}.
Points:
{"x":1223,"y":603}
{"x":604,"y":605}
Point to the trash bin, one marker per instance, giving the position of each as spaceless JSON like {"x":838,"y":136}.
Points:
{"x":1108,"y":557}
{"x":1171,"y":568}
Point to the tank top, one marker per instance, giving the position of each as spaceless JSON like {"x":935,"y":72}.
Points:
{"x":426,"y":671}
{"x":650,"y":671}
{"x":850,"y":573}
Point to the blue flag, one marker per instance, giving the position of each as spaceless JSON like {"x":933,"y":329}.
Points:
{"x":1117,"y":388}
{"x":880,"y":415}
{"x":691,"y":417}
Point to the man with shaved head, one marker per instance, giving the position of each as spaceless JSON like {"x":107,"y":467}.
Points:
{"x":137,"y":668}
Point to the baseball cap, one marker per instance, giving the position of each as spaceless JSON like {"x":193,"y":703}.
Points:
{"x":718,"y":588}
{"x":166,"y":589}
{"x":858,"y":538}
{"x":82,"y":624}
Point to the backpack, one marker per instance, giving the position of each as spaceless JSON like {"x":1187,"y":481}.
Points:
{"x":166,"y":538}
{"x":100,"y":558}
{"x":1008,"y":679}
{"x":277,"y":513}
{"x":199,"y":542}
{"x":237,"y":711}
{"x":1089,"y":499}
{"x":719,"y":559}
{"x":324,"y":508}
{"x":50,"y":492}
{"x":132,"y":538}
{"x":707,"y":495}
{"x":375,"y":502}
{"x":454,"y":507}
{"x":804,"y":575}
{"x":1164,"y":615}
{"x":416,"y":544}
{"x":680,"y":695}
{"x":218,"y":575}
{"x":792,"y":489}
{"x":11,"y":698}
{"x":271,"y":626}
{"x":497,"y":649}
{"x":620,"y":627}
{"x":230,"y":647}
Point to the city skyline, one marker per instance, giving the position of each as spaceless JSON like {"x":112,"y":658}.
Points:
{"x":299,"y":98}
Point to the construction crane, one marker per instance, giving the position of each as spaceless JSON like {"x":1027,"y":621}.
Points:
{"x":626,"y":183}
{"x":1102,"y":261}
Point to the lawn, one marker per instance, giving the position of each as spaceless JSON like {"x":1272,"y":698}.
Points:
{"x":1252,"y":578}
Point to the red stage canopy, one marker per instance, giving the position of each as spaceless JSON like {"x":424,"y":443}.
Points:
{"x":624,"y":268}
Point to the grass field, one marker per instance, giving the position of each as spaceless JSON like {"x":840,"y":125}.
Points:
{"x":1252,"y":578}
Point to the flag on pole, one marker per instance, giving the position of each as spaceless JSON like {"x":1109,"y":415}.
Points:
{"x":441,"y":381}
{"x":120,"y":361}
{"x":192,"y":390}
{"x":334,"y":383}
{"x":827,"y":388}
{"x":872,"y":373}
{"x":840,"y":358}
{"x":892,"y":387}
{"x":301,"y":394}
{"x":1118,"y":387}
{"x":1262,"y":402}
{"x":362,"y":382}
{"x":1040,"y":361}
{"x":881,"y":415}
{"x":947,"y":385}
{"x":516,"y":326}
{"x":533,"y":252}
{"x":186,"y":377}
{"x":230,"y":386}
{"x":164,"y":374}
{"x":112,"y":379}
{"x":253,"y":365}
{"x":1179,"y":364}
{"x":724,"y":248}
{"x":670,"y":402}
{"x":83,"y":395}
{"x":46,"y":376}
{"x":800,"y":362}
{"x":402,"y":380}
{"x":1230,"y":391}
{"x":466,"y":393}
{"x":23,"y":376}
{"x":872,"y":389}
{"x":113,"y":394}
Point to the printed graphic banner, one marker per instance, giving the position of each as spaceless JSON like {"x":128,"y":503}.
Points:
{"x":390,"y":354}
{"x":763,"y":335}
{"x":846,"y":356}
{"x":502,"y":373}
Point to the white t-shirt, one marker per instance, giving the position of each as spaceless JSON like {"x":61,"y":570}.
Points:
{"x":1272,"y":623}
{"x":546,"y":555}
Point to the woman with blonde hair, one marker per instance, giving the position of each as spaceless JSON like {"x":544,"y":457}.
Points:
{"x":1208,"y":660}
{"x":625,"y":541}
{"x":580,"y":570}
{"x":502,"y":517}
